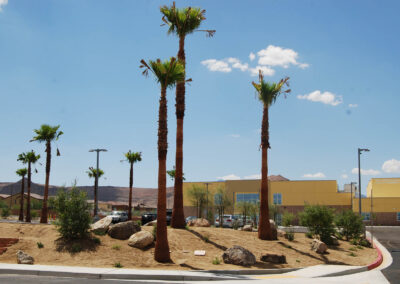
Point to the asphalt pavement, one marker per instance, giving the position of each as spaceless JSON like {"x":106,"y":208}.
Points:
{"x":389,"y":237}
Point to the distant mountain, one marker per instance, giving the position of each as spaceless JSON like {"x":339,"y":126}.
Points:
{"x":147,"y":196}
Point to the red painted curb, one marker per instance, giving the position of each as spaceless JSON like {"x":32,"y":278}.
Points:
{"x":378,"y":261}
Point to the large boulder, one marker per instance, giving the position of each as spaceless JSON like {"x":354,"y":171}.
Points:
{"x":141,"y":239}
{"x":124,"y":230}
{"x":239,"y":256}
{"x":248,"y":228}
{"x":199,"y":222}
{"x":24,"y":258}
{"x":102,"y":225}
{"x":273,"y":258}
{"x":318,"y":246}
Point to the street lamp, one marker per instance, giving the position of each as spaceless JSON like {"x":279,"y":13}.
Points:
{"x":96,"y":183}
{"x":359,"y":177}
{"x":351,"y":190}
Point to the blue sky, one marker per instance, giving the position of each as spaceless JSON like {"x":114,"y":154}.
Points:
{"x":76,"y":63}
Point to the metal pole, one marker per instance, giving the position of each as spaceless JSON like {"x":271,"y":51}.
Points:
{"x":97,"y":185}
{"x":351,"y":195}
{"x":359,"y":182}
{"x":372,"y":221}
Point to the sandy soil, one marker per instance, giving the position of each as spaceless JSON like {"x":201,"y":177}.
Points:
{"x":182,"y":245}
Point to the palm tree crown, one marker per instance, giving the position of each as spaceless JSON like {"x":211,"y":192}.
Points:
{"x":167,"y":73}
{"x":28,"y":157}
{"x":22,"y":172}
{"x":183,"y":21}
{"x":133,"y":157}
{"x":47,"y":133}
{"x":269,"y":92}
{"x":92,"y":172}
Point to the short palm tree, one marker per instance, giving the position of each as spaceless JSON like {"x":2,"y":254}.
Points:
{"x":47,"y":134}
{"x":29,"y":158}
{"x":267,"y":94}
{"x":167,"y":74}
{"x":92,"y":172}
{"x":181,"y":22}
{"x":22,"y":173}
{"x":131,"y":158}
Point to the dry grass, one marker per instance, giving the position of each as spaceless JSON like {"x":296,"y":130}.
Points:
{"x":182,"y":245}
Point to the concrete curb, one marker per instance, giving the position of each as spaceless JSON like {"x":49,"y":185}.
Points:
{"x":384,"y":258}
{"x":347,"y":272}
{"x":249,"y":271}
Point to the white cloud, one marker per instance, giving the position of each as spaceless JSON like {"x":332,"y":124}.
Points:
{"x":327,"y":98}
{"x":3,"y":3}
{"x":353,"y":105}
{"x":229,"y":177}
{"x":235,"y":135}
{"x":278,"y":56}
{"x":235,"y":63}
{"x":316,"y":175}
{"x":391,"y":166}
{"x":369,"y":172}
{"x":216,"y":65}
{"x":264,"y":69}
{"x":344,"y":176}
{"x":252,"y":56}
{"x":256,"y":176}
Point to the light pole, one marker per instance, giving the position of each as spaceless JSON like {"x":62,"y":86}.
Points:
{"x":96,"y":182}
{"x":359,"y":177}
{"x":351,"y":190}
{"x":207,"y":183}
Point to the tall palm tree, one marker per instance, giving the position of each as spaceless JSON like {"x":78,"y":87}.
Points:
{"x":267,"y":94}
{"x":22,"y":173}
{"x":167,"y":74}
{"x":131,"y":157}
{"x":92,"y":174}
{"x":181,"y":22}
{"x":29,"y":158}
{"x":47,"y":134}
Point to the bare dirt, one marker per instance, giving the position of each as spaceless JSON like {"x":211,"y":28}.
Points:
{"x":182,"y":245}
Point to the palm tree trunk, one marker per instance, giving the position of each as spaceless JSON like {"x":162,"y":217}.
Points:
{"x":21,"y":209}
{"x":178,"y":217}
{"x":43,"y":217}
{"x":130,"y":193}
{"x":161,"y":253}
{"x":264,"y":230}
{"x":28,"y":201}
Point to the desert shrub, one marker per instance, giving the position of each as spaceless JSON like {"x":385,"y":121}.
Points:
{"x":40,"y":245}
{"x":154,"y":232}
{"x":73,"y":214}
{"x":290,"y":236}
{"x":118,"y":265}
{"x":352,"y":254}
{"x":99,"y":233}
{"x":319,"y":220}
{"x":287,"y":219}
{"x":3,"y":204}
{"x":363,"y":242}
{"x":309,"y":235}
{"x":96,"y":240}
{"x":76,"y":248}
{"x":5,"y":212}
{"x":34,"y":214}
{"x":116,"y":247}
{"x":350,"y":224}
{"x":139,"y":223}
{"x":216,"y":261}
{"x":206,"y":237}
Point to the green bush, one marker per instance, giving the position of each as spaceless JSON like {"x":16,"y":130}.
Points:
{"x":96,"y":240}
{"x":99,"y":233}
{"x":34,"y":214}
{"x":350,"y":224}
{"x":3,"y":204}
{"x":290,"y":236}
{"x":309,"y":235}
{"x":76,"y":248}
{"x":154,"y":232}
{"x":118,"y":265}
{"x":5,"y":212}
{"x":40,"y":245}
{"x":287,"y":219}
{"x":139,"y":223}
{"x":216,"y":261}
{"x":116,"y":247}
{"x":73,"y":214}
{"x":319,"y":220}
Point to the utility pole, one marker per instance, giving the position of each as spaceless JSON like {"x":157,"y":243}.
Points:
{"x":359,"y":178}
{"x":96,"y":183}
{"x":207,"y":183}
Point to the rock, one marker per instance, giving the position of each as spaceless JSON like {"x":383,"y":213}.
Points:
{"x":124,"y":230}
{"x":239,"y":256}
{"x":141,"y":239}
{"x":23,"y":258}
{"x":273,"y":258}
{"x":248,"y":228}
{"x":151,"y":223}
{"x":102,"y":225}
{"x":281,"y":233}
{"x":318,"y":246}
{"x":199,"y":222}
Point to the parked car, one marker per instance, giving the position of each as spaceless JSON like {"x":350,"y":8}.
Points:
{"x":227,"y":221}
{"x":119,"y":216}
{"x":148,"y":217}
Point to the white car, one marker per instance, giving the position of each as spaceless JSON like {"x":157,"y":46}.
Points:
{"x":119,"y":216}
{"x":227,"y":221}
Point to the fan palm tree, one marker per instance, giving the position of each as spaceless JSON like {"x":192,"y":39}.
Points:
{"x":181,"y":22}
{"x":29,"y":158}
{"x":92,"y":172}
{"x":167,"y":74}
{"x":267,"y":94}
{"x":22,"y":173}
{"x":131,"y":157}
{"x":47,"y":134}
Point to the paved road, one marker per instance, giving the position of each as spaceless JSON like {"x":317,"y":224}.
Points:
{"x":390,"y":238}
